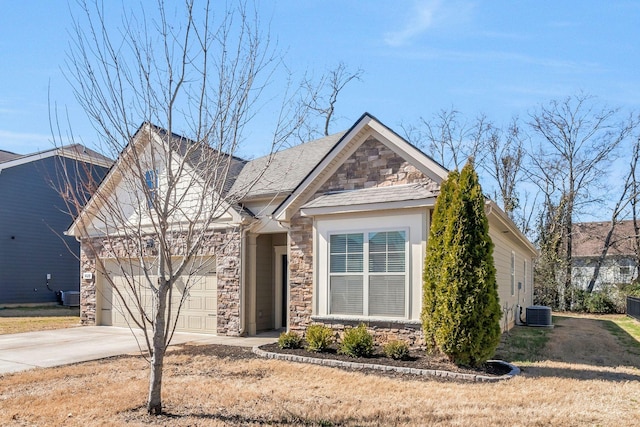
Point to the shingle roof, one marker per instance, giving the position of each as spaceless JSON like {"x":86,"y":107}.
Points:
{"x":589,"y":237}
{"x":396,"y":193}
{"x":281,"y":172}
{"x":5,"y":156}
{"x":71,"y":150}
{"x":207,"y":160}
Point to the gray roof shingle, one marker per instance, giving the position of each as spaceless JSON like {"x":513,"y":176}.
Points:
{"x":589,"y":237}
{"x":396,"y":193}
{"x":282,"y":171}
{"x":5,"y":156}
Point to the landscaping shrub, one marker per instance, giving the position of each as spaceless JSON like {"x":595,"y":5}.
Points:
{"x":357,"y":342}
{"x":608,"y":300}
{"x":319,"y":338}
{"x":289,"y":340}
{"x":396,"y":349}
{"x":600,"y":303}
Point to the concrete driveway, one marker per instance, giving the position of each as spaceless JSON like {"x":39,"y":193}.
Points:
{"x":44,"y":349}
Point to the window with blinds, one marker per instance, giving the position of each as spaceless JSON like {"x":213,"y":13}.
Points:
{"x":368,"y":273}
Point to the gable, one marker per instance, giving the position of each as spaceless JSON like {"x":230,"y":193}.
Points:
{"x":373,"y":164}
{"x":123,"y":199}
{"x":369,"y":155}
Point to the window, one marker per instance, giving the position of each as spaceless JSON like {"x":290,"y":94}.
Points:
{"x":151,"y":178}
{"x":368,"y":273}
{"x":513,"y":273}
{"x":524,"y":280}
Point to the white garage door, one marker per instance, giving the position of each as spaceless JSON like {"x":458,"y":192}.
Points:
{"x":199,"y":309}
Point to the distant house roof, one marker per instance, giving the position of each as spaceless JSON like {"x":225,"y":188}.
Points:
{"x":282,"y":171}
{"x":589,"y":237}
{"x":73,"y":151}
{"x":5,"y":156}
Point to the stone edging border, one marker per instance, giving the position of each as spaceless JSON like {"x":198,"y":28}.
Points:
{"x":399,"y":369}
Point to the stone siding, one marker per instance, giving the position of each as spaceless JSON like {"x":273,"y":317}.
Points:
{"x":371,"y":165}
{"x":225,"y":245}
{"x":382,"y":331}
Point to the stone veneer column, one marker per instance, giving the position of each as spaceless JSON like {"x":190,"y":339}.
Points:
{"x":227,"y":247}
{"x":88,"y":295}
{"x":300,"y":272}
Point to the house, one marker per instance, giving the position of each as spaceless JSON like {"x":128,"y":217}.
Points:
{"x":35,"y":258}
{"x":332,"y":231}
{"x":620,"y":264}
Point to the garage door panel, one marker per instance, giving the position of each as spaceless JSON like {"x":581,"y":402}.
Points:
{"x":198,"y":313}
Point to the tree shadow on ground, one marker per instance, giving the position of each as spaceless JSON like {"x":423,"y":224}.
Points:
{"x":586,"y":348}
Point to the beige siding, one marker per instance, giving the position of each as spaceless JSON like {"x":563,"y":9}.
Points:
{"x":504,"y":246}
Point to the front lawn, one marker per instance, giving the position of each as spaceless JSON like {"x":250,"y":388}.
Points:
{"x":583,"y":375}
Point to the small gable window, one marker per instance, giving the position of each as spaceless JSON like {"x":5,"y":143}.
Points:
{"x":151,"y":179}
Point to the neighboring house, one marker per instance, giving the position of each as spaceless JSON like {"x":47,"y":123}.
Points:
{"x":333,"y":231}
{"x":619,"y":265}
{"x":36,"y":259}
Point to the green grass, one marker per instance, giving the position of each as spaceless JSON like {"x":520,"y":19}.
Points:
{"x":626,"y":330}
{"x":523,"y":344}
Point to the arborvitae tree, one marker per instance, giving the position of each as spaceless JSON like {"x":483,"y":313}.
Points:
{"x":435,"y":255}
{"x":460,"y":279}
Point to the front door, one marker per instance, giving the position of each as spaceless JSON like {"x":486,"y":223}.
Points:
{"x":281,"y":284}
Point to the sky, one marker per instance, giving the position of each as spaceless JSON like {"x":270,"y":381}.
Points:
{"x":498,"y":58}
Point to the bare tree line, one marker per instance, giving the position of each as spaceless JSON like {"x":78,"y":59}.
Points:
{"x":547,"y":171}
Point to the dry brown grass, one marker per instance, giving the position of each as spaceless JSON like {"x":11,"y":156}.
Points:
{"x":204,"y":389}
{"x":29,"y":319}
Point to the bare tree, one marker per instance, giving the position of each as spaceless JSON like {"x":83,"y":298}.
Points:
{"x":450,"y":139}
{"x":579,"y":140}
{"x":193,"y":69}
{"x":618,"y":209}
{"x":322,"y":97}
{"x":504,"y":162}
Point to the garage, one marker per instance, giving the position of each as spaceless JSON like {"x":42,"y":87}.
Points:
{"x":199,"y":310}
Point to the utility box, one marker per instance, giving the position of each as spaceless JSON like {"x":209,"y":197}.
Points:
{"x":71,"y":298}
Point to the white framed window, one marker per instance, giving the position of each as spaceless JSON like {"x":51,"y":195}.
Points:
{"x":524,"y":280}
{"x":513,"y":273}
{"x":151,"y":179}
{"x":368,"y":273}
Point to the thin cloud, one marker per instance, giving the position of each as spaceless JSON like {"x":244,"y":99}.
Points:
{"x":421,"y":20}
{"x":427,"y":15}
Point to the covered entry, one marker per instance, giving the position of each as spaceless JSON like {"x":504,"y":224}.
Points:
{"x":268,"y":282}
{"x":199,"y":309}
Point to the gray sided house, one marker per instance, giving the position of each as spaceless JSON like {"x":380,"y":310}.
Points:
{"x":333,"y":231}
{"x":620,"y":263}
{"x":36,"y":259}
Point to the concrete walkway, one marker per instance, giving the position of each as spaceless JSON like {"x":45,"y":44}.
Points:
{"x":44,"y":349}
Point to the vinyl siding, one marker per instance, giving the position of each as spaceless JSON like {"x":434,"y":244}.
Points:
{"x":503,"y":247}
{"x":32,"y":221}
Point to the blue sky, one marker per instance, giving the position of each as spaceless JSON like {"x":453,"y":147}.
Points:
{"x":500,"y":58}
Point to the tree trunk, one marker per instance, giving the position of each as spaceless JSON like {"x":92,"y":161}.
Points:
{"x":603,"y":254}
{"x":154,"y":402}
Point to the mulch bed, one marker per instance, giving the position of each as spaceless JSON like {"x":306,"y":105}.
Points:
{"x":417,"y":359}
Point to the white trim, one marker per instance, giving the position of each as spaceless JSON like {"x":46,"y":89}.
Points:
{"x":61,"y":152}
{"x":413,"y":222}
